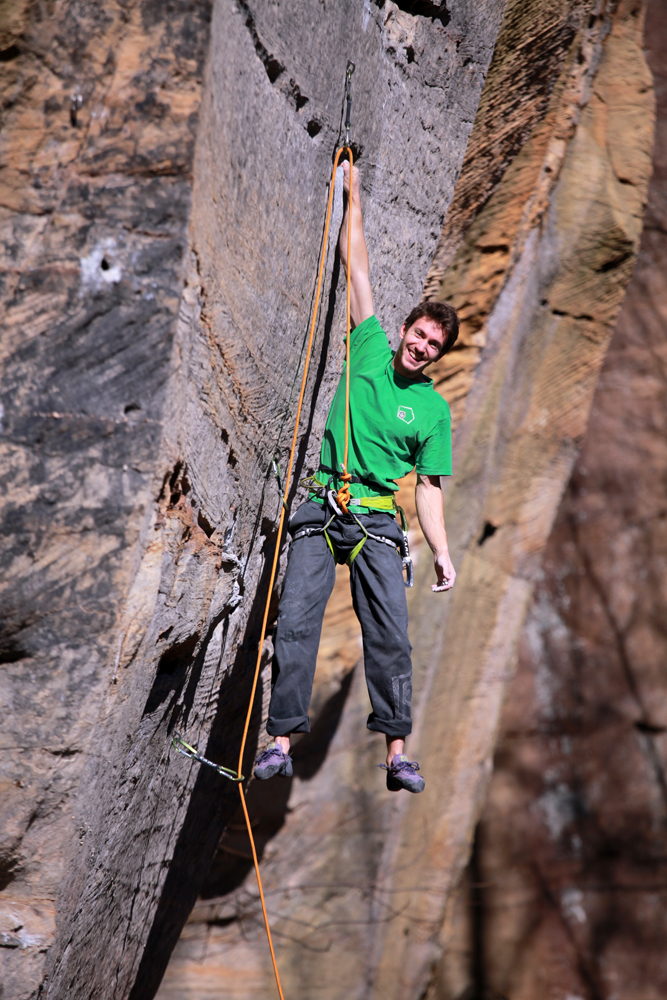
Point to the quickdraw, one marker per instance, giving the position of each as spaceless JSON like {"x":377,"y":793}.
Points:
{"x":192,"y":753}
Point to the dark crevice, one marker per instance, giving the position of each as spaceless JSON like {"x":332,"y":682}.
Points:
{"x":300,"y":100}
{"x":221,"y":922}
{"x":8,"y":871}
{"x":11,"y":652}
{"x":431,"y":9}
{"x":649,"y":729}
{"x":171,"y":673}
{"x":313,"y":128}
{"x":615,"y":262}
{"x":205,"y":524}
{"x":10,"y":53}
{"x":273,"y":66}
{"x":181,"y":652}
{"x":488,"y":531}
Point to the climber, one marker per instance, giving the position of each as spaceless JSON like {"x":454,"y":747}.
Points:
{"x":397,"y":422}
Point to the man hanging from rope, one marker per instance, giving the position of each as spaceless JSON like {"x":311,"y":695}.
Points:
{"x":397,"y":422}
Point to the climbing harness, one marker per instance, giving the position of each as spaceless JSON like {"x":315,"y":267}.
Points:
{"x":325,"y":492}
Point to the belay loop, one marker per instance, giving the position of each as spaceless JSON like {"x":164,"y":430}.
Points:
{"x":343,"y":496}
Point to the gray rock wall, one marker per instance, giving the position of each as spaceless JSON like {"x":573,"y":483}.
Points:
{"x":94,"y":215}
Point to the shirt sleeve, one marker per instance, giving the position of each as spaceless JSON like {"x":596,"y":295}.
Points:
{"x":434,"y":453}
{"x":369,"y":337}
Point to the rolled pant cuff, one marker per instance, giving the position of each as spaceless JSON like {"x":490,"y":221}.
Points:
{"x":397,"y":730}
{"x":282,"y":727}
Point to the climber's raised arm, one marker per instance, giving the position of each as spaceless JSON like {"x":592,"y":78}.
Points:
{"x":356,"y":269}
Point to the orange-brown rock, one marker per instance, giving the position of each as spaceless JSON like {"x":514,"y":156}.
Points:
{"x":568,"y":875}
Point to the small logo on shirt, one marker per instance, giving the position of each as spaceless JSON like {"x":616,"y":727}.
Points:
{"x":406,"y":414}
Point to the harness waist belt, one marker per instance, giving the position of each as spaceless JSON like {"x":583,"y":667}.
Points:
{"x":371,"y":503}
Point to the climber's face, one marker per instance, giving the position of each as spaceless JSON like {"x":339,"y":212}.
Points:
{"x":420,"y":344}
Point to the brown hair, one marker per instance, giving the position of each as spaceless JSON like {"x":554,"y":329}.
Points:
{"x":441,"y":313}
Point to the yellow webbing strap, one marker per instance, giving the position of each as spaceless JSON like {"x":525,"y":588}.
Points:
{"x":375,"y":503}
{"x":356,"y":550}
{"x":372,"y":503}
{"x":330,"y":544}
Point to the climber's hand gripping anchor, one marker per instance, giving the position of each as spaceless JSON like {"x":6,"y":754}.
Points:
{"x":348,"y":96}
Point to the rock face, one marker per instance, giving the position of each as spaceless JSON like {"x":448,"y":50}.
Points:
{"x":569,"y":864}
{"x":539,"y":244}
{"x":138,"y":434}
{"x":157,"y":293}
{"x":95,"y":206}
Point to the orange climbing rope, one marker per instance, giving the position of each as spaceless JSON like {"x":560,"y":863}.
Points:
{"x":346,"y":478}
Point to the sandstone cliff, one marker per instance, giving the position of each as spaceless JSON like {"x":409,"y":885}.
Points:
{"x":566,"y":892}
{"x":157,"y":290}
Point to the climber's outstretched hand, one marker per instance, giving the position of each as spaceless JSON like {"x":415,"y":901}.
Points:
{"x":357,"y":268}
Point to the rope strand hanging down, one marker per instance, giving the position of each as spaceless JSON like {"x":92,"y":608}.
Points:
{"x":288,"y":479}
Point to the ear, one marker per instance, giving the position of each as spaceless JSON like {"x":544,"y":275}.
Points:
{"x":402,"y":331}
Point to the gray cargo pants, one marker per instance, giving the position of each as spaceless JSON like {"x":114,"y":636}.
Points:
{"x":378,"y":596}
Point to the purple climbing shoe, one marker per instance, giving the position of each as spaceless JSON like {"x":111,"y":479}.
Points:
{"x":402,"y":773}
{"x":272,"y":761}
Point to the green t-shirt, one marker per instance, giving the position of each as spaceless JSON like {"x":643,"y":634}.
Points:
{"x":395,"y":423}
